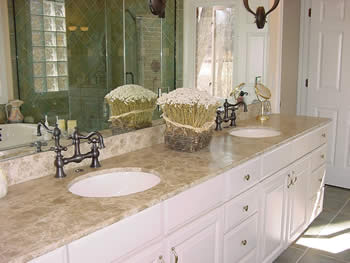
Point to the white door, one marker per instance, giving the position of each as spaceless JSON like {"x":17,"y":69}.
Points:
{"x":273,"y":217}
{"x":328,"y":94}
{"x":198,"y":242}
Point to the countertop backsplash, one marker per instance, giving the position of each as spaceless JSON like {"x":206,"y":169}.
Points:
{"x":34,"y":166}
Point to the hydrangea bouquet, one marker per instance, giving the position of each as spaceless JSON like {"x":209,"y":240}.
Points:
{"x":189,"y":116}
{"x":131,"y":106}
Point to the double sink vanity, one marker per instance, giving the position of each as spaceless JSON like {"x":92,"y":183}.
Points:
{"x":244,"y":198}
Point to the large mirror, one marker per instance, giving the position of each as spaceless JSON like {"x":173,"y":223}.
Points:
{"x":224,"y":48}
{"x":67,"y":55}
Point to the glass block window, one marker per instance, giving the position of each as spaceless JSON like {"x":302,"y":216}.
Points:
{"x":49,"y":42}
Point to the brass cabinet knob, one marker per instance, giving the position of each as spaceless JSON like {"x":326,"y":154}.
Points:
{"x":161,"y":259}
{"x":324,"y":135}
{"x":244,"y":242}
{"x":322,"y":156}
{"x":247,"y":177}
{"x":320,"y":180}
{"x":245,"y":208}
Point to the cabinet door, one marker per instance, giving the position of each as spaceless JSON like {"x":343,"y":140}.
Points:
{"x":57,"y":256}
{"x":273,"y":216}
{"x":297,"y":199}
{"x":152,"y":254}
{"x":199,"y":242}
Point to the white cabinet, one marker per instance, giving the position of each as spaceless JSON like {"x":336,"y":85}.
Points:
{"x":297,"y":185}
{"x":151,"y":254}
{"x":57,"y":256}
{"x":272,"y":216}
{"x":248,"y":214}
{"x":199,"y":242}
{"x":241,"y":242}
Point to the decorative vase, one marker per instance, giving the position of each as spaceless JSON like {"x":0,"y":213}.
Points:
{"x":15,"y":115}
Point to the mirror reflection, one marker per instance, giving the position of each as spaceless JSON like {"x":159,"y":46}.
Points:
{"x":71,"y":54}
{"x":230,"y":52}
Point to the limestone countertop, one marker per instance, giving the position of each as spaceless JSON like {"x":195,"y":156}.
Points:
{"x":41,"y":215}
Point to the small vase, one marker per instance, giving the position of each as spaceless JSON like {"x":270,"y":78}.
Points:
{"x":15,"y":115}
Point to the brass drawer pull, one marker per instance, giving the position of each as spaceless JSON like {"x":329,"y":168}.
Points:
{"x":324,"y":135}
{"x":245,"y":208}
{"x":295,"y":180}
{"x":320,"y":180}
{"x":244,"y":242}
{"x":247,"y":177}
{"x":175,"y":255}
{"x":289,"y":182}
{"x":161,"y":259}
{"x":322,"y":156}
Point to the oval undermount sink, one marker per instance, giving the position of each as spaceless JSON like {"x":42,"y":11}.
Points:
{"x":255,"y":132}
{"x":114,"y":183}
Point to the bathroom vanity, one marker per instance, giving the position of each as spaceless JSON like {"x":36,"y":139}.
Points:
{"x":239,"y":200}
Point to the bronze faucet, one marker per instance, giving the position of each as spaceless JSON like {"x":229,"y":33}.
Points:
{"x":228,"y":106}
{"x":94,"y":138}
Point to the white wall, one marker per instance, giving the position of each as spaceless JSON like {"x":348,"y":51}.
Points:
{"x":6,"y":83}
{"x":290,"y":56}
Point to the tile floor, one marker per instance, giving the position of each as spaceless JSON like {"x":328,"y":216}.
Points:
{"x":327,"y":240}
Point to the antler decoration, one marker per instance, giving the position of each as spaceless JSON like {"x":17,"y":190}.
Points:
{"x":157,"y":7}
{"x":260,"y":15}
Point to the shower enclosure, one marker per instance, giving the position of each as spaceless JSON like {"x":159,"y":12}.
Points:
{"x":70,"y":54}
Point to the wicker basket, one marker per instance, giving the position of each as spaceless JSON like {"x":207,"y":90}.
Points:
{"x":186,"y":139}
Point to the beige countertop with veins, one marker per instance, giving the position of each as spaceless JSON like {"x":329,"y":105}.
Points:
{"x":41,"y":215}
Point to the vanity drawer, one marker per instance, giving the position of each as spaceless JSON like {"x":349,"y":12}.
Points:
{"x":319,"y":157}
{"x":114,"y":241}
{"x":190,"y":204}
{"x":308,"y":143}
{"x":241,"y":241}
{"x":242,"y":177}
{"x":57,"y":256}
{"x":317,"y":180}
{"x":277,"y":159}
{"x":240,"y":208}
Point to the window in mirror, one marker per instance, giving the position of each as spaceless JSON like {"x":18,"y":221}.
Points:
{"x":50,"y":66}
{"x":214,"y":50}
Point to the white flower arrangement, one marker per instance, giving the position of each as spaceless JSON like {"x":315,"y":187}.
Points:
{"x":189,"y":97}
{"x":189,"y":107}
{"x":131,"y":93}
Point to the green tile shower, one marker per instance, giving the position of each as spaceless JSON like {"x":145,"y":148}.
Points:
{"x":71,"y":53}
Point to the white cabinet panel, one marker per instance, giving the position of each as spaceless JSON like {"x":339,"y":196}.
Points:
{"x":297,"y":198}
{"x":277,"y":159}
{"x":152,"y":254}
{"x":57,"y":256}
{"x":319,"y":157}
{"x":199,"y":242}
{"x":193,"y":202}
{"x":272,"y":216}
{"x":240,"y":178}
{"x":118,"y":239}
{"x":241,"y":241}
{"x":241,"y":207}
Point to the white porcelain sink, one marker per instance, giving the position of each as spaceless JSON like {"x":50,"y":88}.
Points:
{"x":255,"y":132}
{"x":114,"y":183}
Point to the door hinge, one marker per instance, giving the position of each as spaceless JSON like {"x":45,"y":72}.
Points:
{"x":307,"y":83}
{"x":310,"y":12}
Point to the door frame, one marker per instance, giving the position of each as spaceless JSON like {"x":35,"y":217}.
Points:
{"x":303,"y":74}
